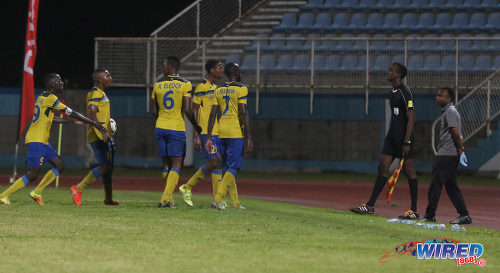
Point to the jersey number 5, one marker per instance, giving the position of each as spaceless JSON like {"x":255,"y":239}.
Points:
{"x":168,"y":103}
{"x":36,"y":114}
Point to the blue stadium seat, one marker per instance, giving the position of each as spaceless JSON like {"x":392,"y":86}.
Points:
{"x":319,"y":62}
{"x":348,"y":4}
{"x":305,"y":22}
{"x":465,"y":63}
{"x":295,"y":44}
{"x":432,"y":63}
{"x":416,"y":5}
{"x":443,"y":22}
{"x":448,"y":63}
{"x":300,"y":63}
{"x":323,"y":21}
{"x":482,"y":64}
{"x":380,"y":64}
{"x":366,"y":4}
{"x":267,"y":62}
{"x":400,"y":5}
{"x":480,"y":45}
{"x":477,"y":22}
{"x":249,"y":62}
{"x":327,"y":45}
{"x":425,"y":22}
{"x":460,"y":21}
{"x":374,"y":22}
{"x":494,"y":44}
{"x":446,"y":45}
{"x":332,"y":63}
{"x":340,"y":22}
{"x":391,"y":22}
{"x":360,"y":44}
{"x":493,"y":22}
{"x":466,"y":43}
{"x":358,"y":21}
{"x":284,"y":63}
{"x":414,"y":44}
{"x":312,"y":5}
{"x":275,"y":44}
{"x":384,"y":5}
{"x":361,"y":66}
{"x":288,"y":21}
{"x":308,"y":44}
{"x":379,"y":44}
{"x":415,"y":63}
{"x":398,"y":59}
{"x":396,"y":44}
{"x":263,"y":43}
{"x":427,"y":45}
{"x":344,"y":45}
{"x":233,"y":58}
{"x":408,"y":21}
{"x":455,"y":5}
{"x":436,"y":5}
{"x":349,"y":63}
{"x":490,"y":5}
{"x":496,"y":63}
{"x":331,"y":4}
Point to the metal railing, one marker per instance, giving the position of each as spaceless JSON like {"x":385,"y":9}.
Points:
{"x":477,"y":109}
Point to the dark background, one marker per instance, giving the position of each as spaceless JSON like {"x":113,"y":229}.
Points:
{"x":66,"y":32}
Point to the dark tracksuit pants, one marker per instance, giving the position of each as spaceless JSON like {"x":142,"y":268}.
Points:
{"x":444,"y":172}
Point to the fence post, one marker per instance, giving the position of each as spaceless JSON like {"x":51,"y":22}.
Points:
{"x":311,"y":96}
{"x":155,"y":52}
{"x":488,"y":110}
{"x":406,"y":57}
{"x":257,"y":79}
{"x":203,"y":57}
{"x":367,"y":78}
{"x":239,"y":10}
{"x":148,"y":74}
{"x":198,"y":25}
{"x":96,"y":52}
{"x":456,"y":71}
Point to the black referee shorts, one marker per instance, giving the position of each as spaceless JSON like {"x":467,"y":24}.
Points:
{"x":393,"y":145}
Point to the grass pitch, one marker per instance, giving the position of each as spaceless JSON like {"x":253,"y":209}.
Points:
{"x":267,"y":237}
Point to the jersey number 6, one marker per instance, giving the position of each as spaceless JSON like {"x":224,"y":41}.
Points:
{"x":168,"y":103}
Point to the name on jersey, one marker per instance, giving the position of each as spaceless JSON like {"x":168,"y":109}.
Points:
{"x":171,"y":85}
{"x":40,"y":100}
{"x":227,"y":91}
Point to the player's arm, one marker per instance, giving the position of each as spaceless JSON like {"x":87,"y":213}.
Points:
{"x":92,"y":110}
{"x":210,"y":126}
{"x":245,"y":121}
{"x":154,"y":107}
{"x":457,"y":139}
{"x":65,"y":120}
{"x":188,"y":111}
{"x":197,"y":140}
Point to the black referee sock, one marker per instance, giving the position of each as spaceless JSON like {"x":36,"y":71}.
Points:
{"x":413,"y":183}
{"x":379,"y":186}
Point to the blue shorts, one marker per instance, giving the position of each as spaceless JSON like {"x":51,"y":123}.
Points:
{"x":231,"y":150}
{"x":215,"y":150}
{"x":104,"y":152}
{"x":38,"y":153}
{"x":170,"y":142}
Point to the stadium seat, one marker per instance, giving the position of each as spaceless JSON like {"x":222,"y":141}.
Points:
{"x":431,"y":44}
{"x":323,"y":21}
{"x":455,"y":5}
{"x":481,"y":45}
{"x":348,"y":4}
{"x":465,"y":43}
{"x":391,"y":22}
{"x":379,"y":45}
{"x":477,"y":22}
{"x":295,"y":44}
{"x":414,"y":44}
{"x":267,"y":62}
{"x":332,"y":63}
{"x":366,"y":4}
{"x":380,"y":64}
{"x":327,"y":45}
{"x":443,"y":22}
{"x":275,"y":44}
{"x":233,"y":58}
{"x":416,"y":5}
{"x":340,"y":22}
{"x":436,"y":5}
{"x":432,"y":63}
{"x":425,"y":22}
{"x":301,"y":62}
{"x":400,"y":5}
{"x":396,"y":44}
{"x":398,"y":59}
{"x":460,"y":21}
{"x":288,"y":21}
{"x":471,"y":4}
{"x":384,"y":5}
{"x":331,"y":4}
{"x":465,"y":63}
{"x":374,"y":22}
{"x":358,"y":21}
{"x":361,"y":43}
{"x":496,"y":63}
{"x":415,"y":63}
{"x":319,"y":62}
{"x":308,"y":44}
{"x":349,"y":63}
{"x":263,"y":43}
{"x":493,"y":22}
{"x":305,"y":22}
{"x":446,"y":45}
{"x":284,"y":63}
{"x":361,"y":66}
{"x":487,"y":5}
{"x":249,"y":62}
{"x":494,"y":45}
{"x":482,"y":64}
{"x":344,"y":45}
{"x":312,"y":5}
{"x":408,"y":21}
{"x":448,"y":63}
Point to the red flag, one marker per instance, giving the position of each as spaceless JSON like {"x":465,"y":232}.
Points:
{"x":28,"y":95}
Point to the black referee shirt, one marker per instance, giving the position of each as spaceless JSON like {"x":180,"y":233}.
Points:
{"x":401,"y":101}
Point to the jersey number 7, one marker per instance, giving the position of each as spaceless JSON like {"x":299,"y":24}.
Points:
{"x":227,"y":98}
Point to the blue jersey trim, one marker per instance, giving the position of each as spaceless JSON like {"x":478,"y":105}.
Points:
{"x":217,"y":171}
{"x":176,"y":170}
{"x":25,"y":180}
{"x":233,"y":172}
{"x":203,"y":170}
{"x":95,"y":172}
{"x":99,"y":99}
{"x":165,"y":170}
{"x":56,"y":172}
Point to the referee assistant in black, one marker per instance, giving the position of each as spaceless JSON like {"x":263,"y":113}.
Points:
{"x":398,"y":142}
{"x":444,"y":169}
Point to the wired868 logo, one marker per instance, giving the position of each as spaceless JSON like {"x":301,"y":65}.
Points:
{"x":463,"y":253}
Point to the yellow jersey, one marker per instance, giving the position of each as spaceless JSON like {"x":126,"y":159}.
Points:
{"x":203,"y":95}
{"x":168,"y":93}
{"x":228,"y":96}
{"x":98,"y":98}
{"x":43,"y":115}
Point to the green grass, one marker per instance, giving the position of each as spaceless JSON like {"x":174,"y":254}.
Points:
{"x":267,"y":237}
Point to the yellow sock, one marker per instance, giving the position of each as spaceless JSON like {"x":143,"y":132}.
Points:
{"x":216,"y":180}
{"x":89,"y":179}
{"x":226,"y":182}
{"x":196,"y":178}
{"x":46,"y":180}
{"x":172,"y":180}
{"x":164,"y":175}
{"x":233,"y":192}
{"x":19,"y":184}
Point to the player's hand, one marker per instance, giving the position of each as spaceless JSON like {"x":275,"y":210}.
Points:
{"x":75,"y":121}
{"x":406,"y":149}
{"x":249,"y":146}
{"x":208,"y":145}
{"x":106,"y":137}
{"x":197,"y":143}
{"x":198,"y":129}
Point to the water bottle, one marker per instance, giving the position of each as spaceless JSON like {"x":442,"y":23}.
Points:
{"x":408,"y":222}
{"x":441,"y":227}
{"x":394,"y":220}
{"x":456,"y":227}
{"x":418,"y":224}
{"x":429,"y":226}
